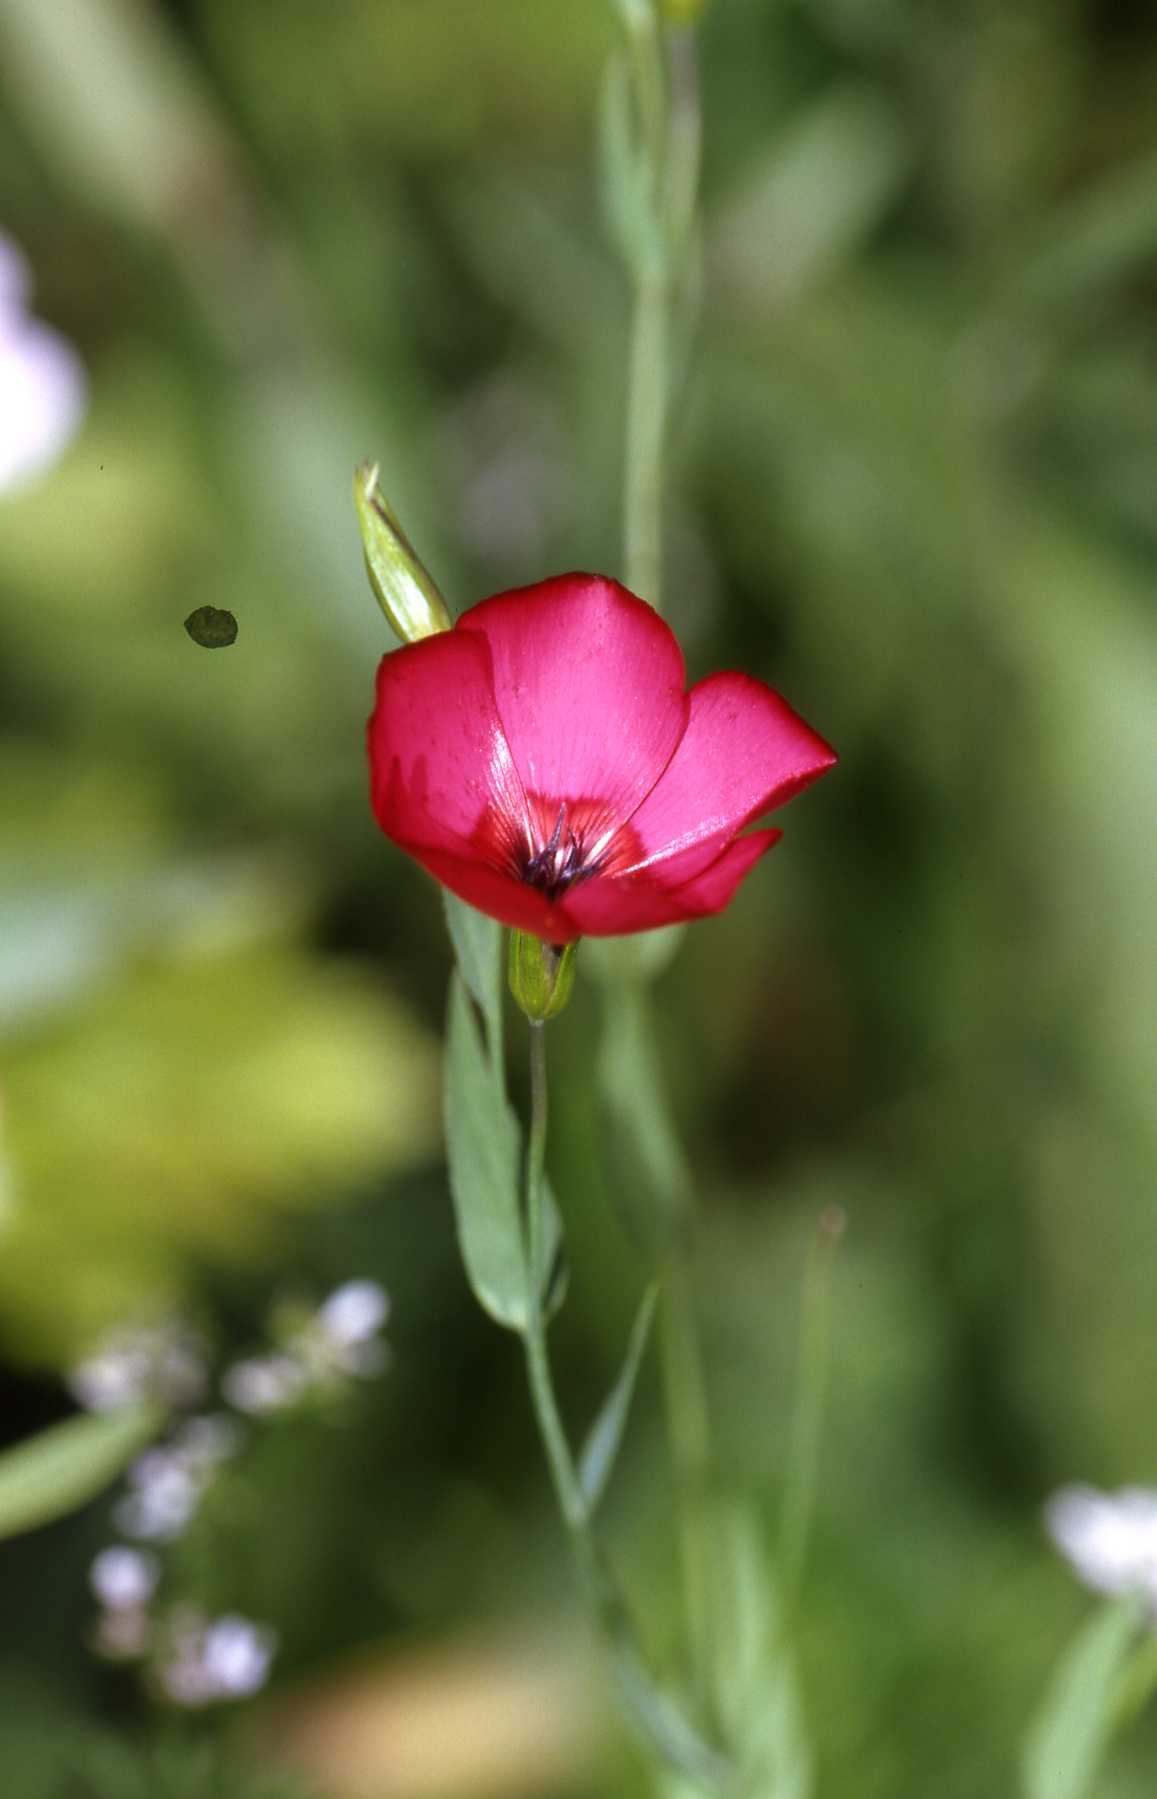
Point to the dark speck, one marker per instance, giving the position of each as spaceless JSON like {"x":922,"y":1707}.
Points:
{"x":212,"y":627}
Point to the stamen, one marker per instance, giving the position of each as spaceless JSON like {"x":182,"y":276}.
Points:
{"x":561,"y":861}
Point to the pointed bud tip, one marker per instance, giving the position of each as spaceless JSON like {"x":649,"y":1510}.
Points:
{"x":402,"y":585}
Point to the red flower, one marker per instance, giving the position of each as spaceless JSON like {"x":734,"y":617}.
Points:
{"x":543,"y":761}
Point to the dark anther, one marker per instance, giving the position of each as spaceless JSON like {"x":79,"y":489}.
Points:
{"x":558,"y":865}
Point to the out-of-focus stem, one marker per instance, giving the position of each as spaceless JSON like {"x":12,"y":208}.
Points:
{"x":689,"y":1432}
{"x":646,"y":436}
{"x":667,"y":96}
{"x":803,"y":1459}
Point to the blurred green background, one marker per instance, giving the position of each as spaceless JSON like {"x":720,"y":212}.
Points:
{"x":913,"y":485}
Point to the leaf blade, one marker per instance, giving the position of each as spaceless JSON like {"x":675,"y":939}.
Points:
{"x":1071,"y":1733}
{"x":477,"y":944}
{"x":600,"y":1451}
{"x":482,"y":1140}
{"x":68,"y":1464}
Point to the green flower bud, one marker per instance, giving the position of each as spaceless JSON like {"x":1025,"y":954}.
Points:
{"x":404,"y":589}
{"x":541,"y":975}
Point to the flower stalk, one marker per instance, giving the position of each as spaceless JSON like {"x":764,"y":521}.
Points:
{"x":665,"y":94}
{"x":656,"y":1718}
{"x":653,"y":161}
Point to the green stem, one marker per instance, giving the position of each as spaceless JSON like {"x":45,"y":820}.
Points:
{"x":668,"y":104}
{"x":558,"y":1451}
{"x":656,"y":1720}
{"x":646,"y":435}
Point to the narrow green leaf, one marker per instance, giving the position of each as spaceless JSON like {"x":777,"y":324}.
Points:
{"x":1137,"y":1685}
{"x":483,"y":1144}
{"x":606,"y":1434}
{"x":1068,"y":1741}
{"x":68,"y":1464}
{"x":756,"y":1689}
{"x":661,"y":1716}
{"x":477,"y":944}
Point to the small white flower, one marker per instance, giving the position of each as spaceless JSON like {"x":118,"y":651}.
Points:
{"x":42,"y":385}
{"x":354,"y":1313}
{"x":1109,"y":1538}
{"x":261,"y":1384}
{"x":162,"y":1497}
{"x":124,"y":1580}
{"x":237,"y":1656}
{"x":166,"y":1483}
{"x":156,"y":1361}
{"x":210,"y":1660}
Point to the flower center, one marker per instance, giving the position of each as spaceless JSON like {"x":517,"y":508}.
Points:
{"x":563,"y":861}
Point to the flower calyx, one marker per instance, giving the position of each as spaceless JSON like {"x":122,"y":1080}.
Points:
{"x":541,"y":975}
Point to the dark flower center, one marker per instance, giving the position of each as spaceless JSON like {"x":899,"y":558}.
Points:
{"x":562,"y":862}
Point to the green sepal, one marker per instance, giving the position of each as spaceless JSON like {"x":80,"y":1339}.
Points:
{"x":403,"y":587}
{"x":541,"y":975}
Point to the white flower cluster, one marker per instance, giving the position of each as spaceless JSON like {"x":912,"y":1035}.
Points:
{"x":206,"y":1660}
{"x":1109,"y":1538}
{"x":42,"y":384}
{"x":197,"y":1660}
{"x":342,"y":1338}
{"x":166,"y":1483}
{"x":194,"y":1659}
{"x":164,"y":1362}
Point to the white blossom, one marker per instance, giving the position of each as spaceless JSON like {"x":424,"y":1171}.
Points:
{"x":210,"y":1660}
{"x":354,"y":1312}
{"x":259,"y":1384}
{"x":42,"y":385}
{"x":340,"y":1338}
{"x":162,"y":1361}
{"x":1109,"y":1538}
{"x":123,"y":1579}
{"x":166,"y":1483}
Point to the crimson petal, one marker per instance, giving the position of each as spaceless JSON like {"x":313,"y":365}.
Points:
{"x":588,"y":682}
{"x":744,"y":752}
{"x":440,"y":768}
{"x":642,"y":902}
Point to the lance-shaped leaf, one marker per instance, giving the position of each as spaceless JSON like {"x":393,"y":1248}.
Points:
{"x":68,"y":1464}
{"x":477,"y":944}
{"x":482,"y":1139}
{"x":756,"y":1690}
{"x":606,"y":1434}
{"x":1071,"y":1734}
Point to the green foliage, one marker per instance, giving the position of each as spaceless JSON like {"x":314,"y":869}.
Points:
{"x":190,"y":1107}
{"x":604,"y":1439}
{"x":172,"y":1767}
{"x":1067,"y":1743}
{"x":757,"y":1689}
{"x":483,"y":1142}
{"x":67,"y":1464}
